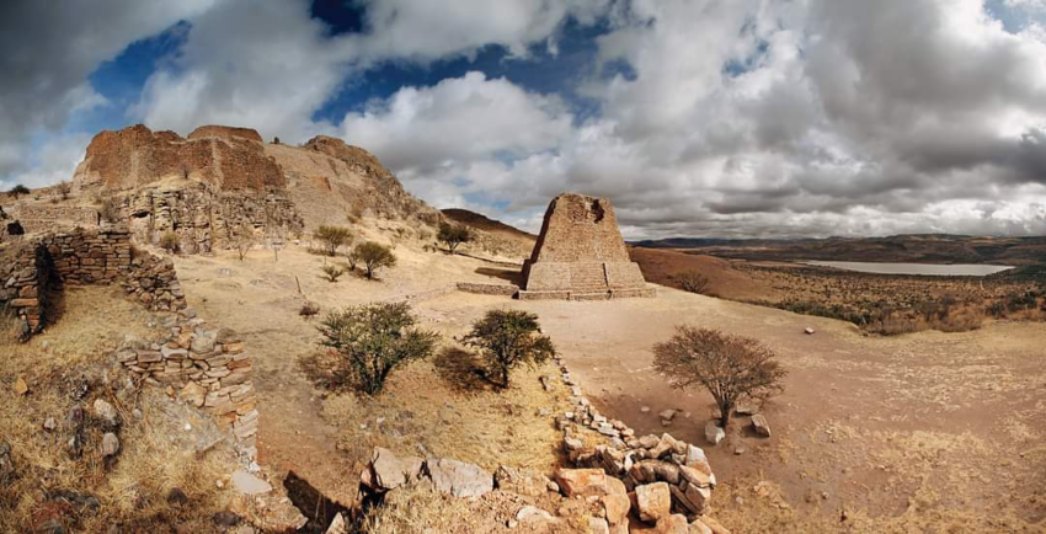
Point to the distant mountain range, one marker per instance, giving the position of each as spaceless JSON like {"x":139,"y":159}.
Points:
{"x":925,"y":248}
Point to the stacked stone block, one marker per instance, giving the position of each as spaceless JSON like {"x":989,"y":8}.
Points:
{"x":209,"y":369}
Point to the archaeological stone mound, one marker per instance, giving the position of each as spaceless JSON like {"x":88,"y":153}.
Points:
{"x":580,"y":254}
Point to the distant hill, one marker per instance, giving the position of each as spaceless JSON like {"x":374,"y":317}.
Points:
{"x":494,"y":234}
{"x":935,"y":248}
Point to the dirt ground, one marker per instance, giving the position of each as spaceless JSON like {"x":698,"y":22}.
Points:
{"x":921,"y":432}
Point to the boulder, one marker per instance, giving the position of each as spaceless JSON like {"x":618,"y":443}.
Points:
{"x":697,"y":497}
{"x":672,"y":524}
{"x":582,"y":482}
{"x":746,"y":408}
{"x":654,"y":501}
{"x":696,"y":477}
{"x":110,"y":445}
{"x":760,"y":425}
{"x":389,"y":472}
{"x":106,"y":413}
{"x":598,"y":525}
{"x":459,"y":479}
{"x":809,"y":331}
{"x":714,"y":433}
{"x":616,"y":502}
{"x":248,"y":484}
{"x":699,"y":527}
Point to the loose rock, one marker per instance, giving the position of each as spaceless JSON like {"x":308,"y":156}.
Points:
{"x":714,"y":433}
{"x":760,"y":425}
{"x":654,"y":501}
{"x":459,"y":479}
{"x":110,"y":445}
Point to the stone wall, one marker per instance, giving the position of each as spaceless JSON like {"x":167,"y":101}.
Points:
{"x":209,"y":369}
{"x":32,"y":269}
{"x":205,"y":219}
{"x":41,"y":217}
{"x":507,"y":290}
{"x":207,"y":365}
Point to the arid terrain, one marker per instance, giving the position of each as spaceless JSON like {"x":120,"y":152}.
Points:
{"x":936,"y":428}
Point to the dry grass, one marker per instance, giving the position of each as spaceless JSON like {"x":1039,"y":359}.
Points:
{"x":423,"y":413}
{"x":157,"y":454}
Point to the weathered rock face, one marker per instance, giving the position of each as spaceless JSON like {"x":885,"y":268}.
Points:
{"x":580,"y":254}
{"x":226,"y":158}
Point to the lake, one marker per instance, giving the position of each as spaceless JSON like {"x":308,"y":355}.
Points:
{"x":921,"y":269}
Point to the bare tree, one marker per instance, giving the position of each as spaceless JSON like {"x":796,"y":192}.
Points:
{"x":730,"y":367}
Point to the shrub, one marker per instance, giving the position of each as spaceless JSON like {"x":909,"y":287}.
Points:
{"x":453,"y":235}
{"x":64,"y":189}
{"x":373,"y":256}
{"x":18,"y":191}
{"x":507,"y":340}
{"x":373,"y":340}
{"x":693,"y":282}
{"x":170,"y":242}
{"x":332,"y":272}
{"x":729,"y":367}
{"x":333,"y":237}
{"x":309,"y":309}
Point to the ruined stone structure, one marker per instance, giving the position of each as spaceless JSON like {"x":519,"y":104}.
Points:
{"x":580,"y":254}
{"x":30,"y":270}
{"x":207,"y":365}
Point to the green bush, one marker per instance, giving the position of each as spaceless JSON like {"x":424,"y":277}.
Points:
{"x":333,"y":238}
{"x":374,"y":340}
{"x":507,"y":340}
{"x":373,"y":256}
{"x":454,"y":235}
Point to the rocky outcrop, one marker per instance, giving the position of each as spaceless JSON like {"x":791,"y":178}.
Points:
{"x":226,"y":158}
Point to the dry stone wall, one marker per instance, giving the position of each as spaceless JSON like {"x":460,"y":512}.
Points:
{"x":208,"y":366}
{"x":32,"y":269}
{"x":204,"y":219}
{"x":209,"y":369}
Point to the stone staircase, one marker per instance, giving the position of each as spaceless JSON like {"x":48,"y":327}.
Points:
{"x":588,"y":277}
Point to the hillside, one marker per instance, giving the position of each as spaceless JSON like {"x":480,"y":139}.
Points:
{"x":929,"y":248}
{"x":494,"y":234}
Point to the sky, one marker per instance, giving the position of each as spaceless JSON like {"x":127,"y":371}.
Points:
{"x":729,"y":118}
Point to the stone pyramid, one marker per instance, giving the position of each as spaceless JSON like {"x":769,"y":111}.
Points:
{"x":580,"y":254}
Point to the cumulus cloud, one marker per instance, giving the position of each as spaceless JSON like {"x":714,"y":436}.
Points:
{"x":748,"y":117}
{"x":48,"y":51}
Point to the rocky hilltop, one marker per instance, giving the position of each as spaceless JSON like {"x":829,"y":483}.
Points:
{"x":221,"y":184}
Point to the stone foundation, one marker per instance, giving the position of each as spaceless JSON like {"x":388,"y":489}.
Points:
{"x":505,"y":290}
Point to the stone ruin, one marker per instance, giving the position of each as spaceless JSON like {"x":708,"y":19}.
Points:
{"x":580,"y":254}
{"x":206,"y":365}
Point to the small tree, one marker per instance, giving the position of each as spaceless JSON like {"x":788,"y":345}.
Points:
{"x":508,"y":339}
{"x":375,"y":339}
{"x":453,"y":235}
{"x":332,"y":272}
{"x":693,"y":281}
{"x":374,"y":256}
{"x":64,"y":189}
{"x":729,"y":367}
{"x":333,"y":237}
{"x":18,"y":191}
{"x":244,"y":240}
